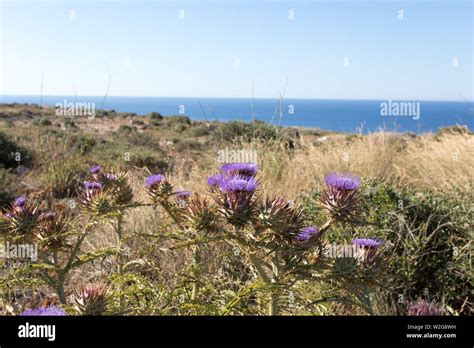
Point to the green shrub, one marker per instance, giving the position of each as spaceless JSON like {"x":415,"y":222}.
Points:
{"x":42,"y":122}
{"x":246,"y":131}
{"x":182,"y":120}
{"x":135,"y":138}
{"x":179,"y":128}
{"x":82,"y":143}
{"x":200,"y":131}
{"x":69,"y":123}
{"x":154,"y":116}
{"x":137,"y":123}
{"x":61,"y":177}
{"x":5,"y":197}
{"x":453,"y":130}
{"x":123,"y":128}
{"x":187,"y":144}
{"x":427,"y":236}
{"x":12,"y":154}
{"x":154,"y":122}
{"x":151,"y":161}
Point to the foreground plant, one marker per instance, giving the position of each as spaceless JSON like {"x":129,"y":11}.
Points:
{"x":51,"y":310}
{"x":424,"y":308}
{"x":91,"y":300}
{"x":273,"y":233}
{"x":104,"y":200}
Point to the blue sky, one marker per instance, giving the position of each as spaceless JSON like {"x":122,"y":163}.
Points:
{"x":146,"y":49}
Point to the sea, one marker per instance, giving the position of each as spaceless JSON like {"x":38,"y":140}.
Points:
{"x":364,"y":116}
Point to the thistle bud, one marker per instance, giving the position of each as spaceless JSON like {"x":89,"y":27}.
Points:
{"x":159,"y":187}
{"x":95,"y":169}
{"x":91,"y":300}
{"x":20,"y":220}
{"x":369,"y":248}
{"x":200,"y":214}
{"x":282,"y":218}
{"x":340,"y":196}
{"x":307,"y":235}
{"x":181,"y":198}
{"x":52,"y":230}
{"x":234,"y":197}
{"x":246,"y":170}
{"x":116,"y":184}
{"x":94,"y":198}
{"x":423,"y":308}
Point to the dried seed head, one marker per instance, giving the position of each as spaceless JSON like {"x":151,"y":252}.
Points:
{"x":200,"y":215}
{"x":282,"y":218}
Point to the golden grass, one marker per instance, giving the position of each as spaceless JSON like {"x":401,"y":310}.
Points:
{"x":424,"y":163}
{"x":427,"y":162}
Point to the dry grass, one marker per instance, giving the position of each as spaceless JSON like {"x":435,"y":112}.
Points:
{"x":424,"y":163}
{"x":427,"y":162}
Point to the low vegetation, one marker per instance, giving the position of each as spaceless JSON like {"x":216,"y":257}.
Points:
{"x":154,"y":215}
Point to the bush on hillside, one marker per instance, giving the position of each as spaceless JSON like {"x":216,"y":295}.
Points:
{"x":12,"y":154}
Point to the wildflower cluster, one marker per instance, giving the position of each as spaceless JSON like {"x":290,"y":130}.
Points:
{"x":234,"y":192}
{"x":105,"y":193}
{"x":273,"y":234}
{"x":25,"y":222}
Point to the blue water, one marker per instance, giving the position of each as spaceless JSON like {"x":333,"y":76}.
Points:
{"x":336,"y":115}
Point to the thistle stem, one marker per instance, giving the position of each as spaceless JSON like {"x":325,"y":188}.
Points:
{"x":61,"y":275}
{"x":273,"y":306}
{"x":118,"y":232}
{"x":258,"y":266}
{"x":197,"y":261}
{"x":169,"y":211}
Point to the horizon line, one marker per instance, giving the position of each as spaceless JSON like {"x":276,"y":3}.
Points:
{"x":245,"y":98}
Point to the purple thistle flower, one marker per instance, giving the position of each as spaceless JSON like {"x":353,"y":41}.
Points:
{"x":7,"y":216}
{"x":215,"y":180}
{"x":367,"y":243}
{"x":92,"y":185}
{"x":19,"y":201}
{"x":306,"y":234}
{"x":238,"y":184}
{"x":95,"y":169}
{"x":423,"y":308}
{"x":182,"y":194}
{"x":346,"y":182}
{"x":154,"y":180}
{"x":44,"y":311}
{"x":243,"y":169}
{"x":110,"y":177}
